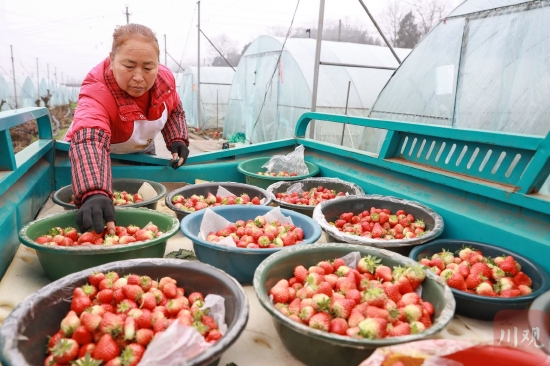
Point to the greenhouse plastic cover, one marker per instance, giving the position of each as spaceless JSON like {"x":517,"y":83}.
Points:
{"x":485,"y":71}
{"x":291,"y":85}
{"x":213,"y":97}
{"x":389,"y":201}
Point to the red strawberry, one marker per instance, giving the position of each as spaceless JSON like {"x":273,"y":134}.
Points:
{"x":374,"y":296}
{"x":86,"y":349}
{"x":214,"y":335}
{"x":383,"y":273}
{"x":481,"y":268}
{"x":437,"y":262}
{"x":133,"y":291}
{"x":428,"y":307}
{"x":44,"y":239}
{"x":56,"y":231}
{"x":404,"y":285}
{"x":209,"y":322}
{"x":53,"y":339}
{"x":508,"y":265}
{"x":132,"y":354}
{"x":111,"y":323}
{"x":106,"y":349}
{"x":86,"y":238}
{"x":148,"y":301}
{"x":457,"y":281}
{"x":65,"y":350}
{"x":300,"y":273}
{"x":90,"y":321}
{"x":409,"y":298}
{"x":70,"y":232}
{"x":320,"y":321}
{"x":170,"y":290}
{"x":525,"y":290}
{"x":354,"y":295}
{"x":105,"y":296}
{"x":129,"y":328}
{"x":255,"y":201}
{"x":195,"y":296}
{"x":79,"y":304}
{"x":280,"y":294}
{"x":392,"y":292}
{"x":473,"y":280}
{"x":82,"y":336}
{"x":522,"y":279}
{"x":510,"y":293}
{"x":400,"y":330}
{"x":338,"y":326}
{"x":324,"y":288}
{"x":144,"y":336}
{"x":337,"y":263}
{"x":342,"y":308}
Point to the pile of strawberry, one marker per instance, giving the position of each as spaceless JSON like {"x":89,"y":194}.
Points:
{"x":371,"y":301}
{"x":257,"y":233}
{"x":121,"y":198}
{"x":113,"y":319}
{"x":380,"y":223}
{"x":309,"y":198}
{"x":280,"y":174}
{"x":196,"y":202}
{"x":70,"y":237}
{"x":472,"y":272}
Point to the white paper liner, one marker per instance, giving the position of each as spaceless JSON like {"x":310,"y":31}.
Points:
{"x":147,"y":191}
{"x":291,"y":162}
{"x":212,"y":222}
{"x":224,"y":192}
{"x":179,"y":342}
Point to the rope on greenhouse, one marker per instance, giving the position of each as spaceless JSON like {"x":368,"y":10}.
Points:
{"x":270,"y":83}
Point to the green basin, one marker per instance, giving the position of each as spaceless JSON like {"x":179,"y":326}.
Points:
{"x":252,"y":166}
{"x":62,"y":196}
{"x":330,"y":349}
{"x":58,"y":262}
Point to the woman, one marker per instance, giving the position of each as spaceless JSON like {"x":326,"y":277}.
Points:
{"x":123,"y":103}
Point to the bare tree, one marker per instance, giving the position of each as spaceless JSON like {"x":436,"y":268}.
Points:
{"x":429,"y":13}
{"x":392,"y":16}
{"x":224,"y":44}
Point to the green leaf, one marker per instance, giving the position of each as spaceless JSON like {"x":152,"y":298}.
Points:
{"x":182,"y":254}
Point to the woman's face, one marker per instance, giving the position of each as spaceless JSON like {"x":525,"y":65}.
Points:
{"x":135,"y":66}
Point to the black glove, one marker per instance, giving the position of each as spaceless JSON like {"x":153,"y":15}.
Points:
{"x":181,"y":149}
{"x":92,"y":212}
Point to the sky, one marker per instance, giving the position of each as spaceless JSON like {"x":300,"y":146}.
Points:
{"x":70,"y":37}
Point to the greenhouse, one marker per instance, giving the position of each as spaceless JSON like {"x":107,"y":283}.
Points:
{"x":215,"y":87}
{"x":267,"y":98}
{"x":484,"y":67}
{"x":27,"y":92}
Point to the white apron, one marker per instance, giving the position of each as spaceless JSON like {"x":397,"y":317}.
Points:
{"x":143,"y":136}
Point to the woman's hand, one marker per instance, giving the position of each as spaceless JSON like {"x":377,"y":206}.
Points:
{"x":93,"y":211}
{"x":180,"y":152}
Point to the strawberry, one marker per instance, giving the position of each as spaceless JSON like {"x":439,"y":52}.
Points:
{"x":320,"y":321}
{"x":437,"y":262}
{"x":85,"y":352}
{"x":325,"y":288}
{"x":412,"y":312}
{"x":90,"y":291}
{"x":71,"y":233}
{"x":508,"y":265}
{"x":415,"y":275}
{"x":148,"y":301}
{"x":196,"y":296}
{"x":428,"y":307}
{"x":79,"y":304}
{"x":473,"y":280}
{"x":481,"y":268}
{"x":374,"y":296}
{"x":404,"y":285}
{"x":344,"y":284}
{"x":56,"y":231}
{"x":320,"y":302}
{"x":457,"y":281}
{"x":133,"y":291}
{"x":525,"y":290}
{"x":510,"y":293}
{"x":44,"y":239}
{"x":90,"y":321}
{"x":280,"y":294}
{"x":373,"y":328}
{"x":174,"y":306}
{"x":215,"y":334}
{"x":485,"y":289}
{"x":337,"y":263}
{"x":53,"y":339}
{"x":342,"y":308}
{"x":132,"y":354}
{"x":144,"y":336}
{"x":82,"y":336}
{"x":306,"y":313}
{"x":522,"y":279}
{"x":111,"y":323}
{"x":129,"y":328}
{"x":300,"y":273}
{"x":105,"y":296}
{"x":408,"y":299}
{"x":400,"y":330}
{"x":354,"y":295}
{"x":170,"y":290}
{"x":383,"y":273}
{"x":338,"y":326}
{"x":70,"y":323}
{"x":392,"y":292}
{"x":65,"y":350}
{"x":209,"y":322}
{"x":106,"y":349}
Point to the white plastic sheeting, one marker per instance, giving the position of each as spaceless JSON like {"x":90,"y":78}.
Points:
{"x":267,"y":99}
{"x":485,"y":68}
{"x":27,"y":92}
{"x":214,"y":95}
